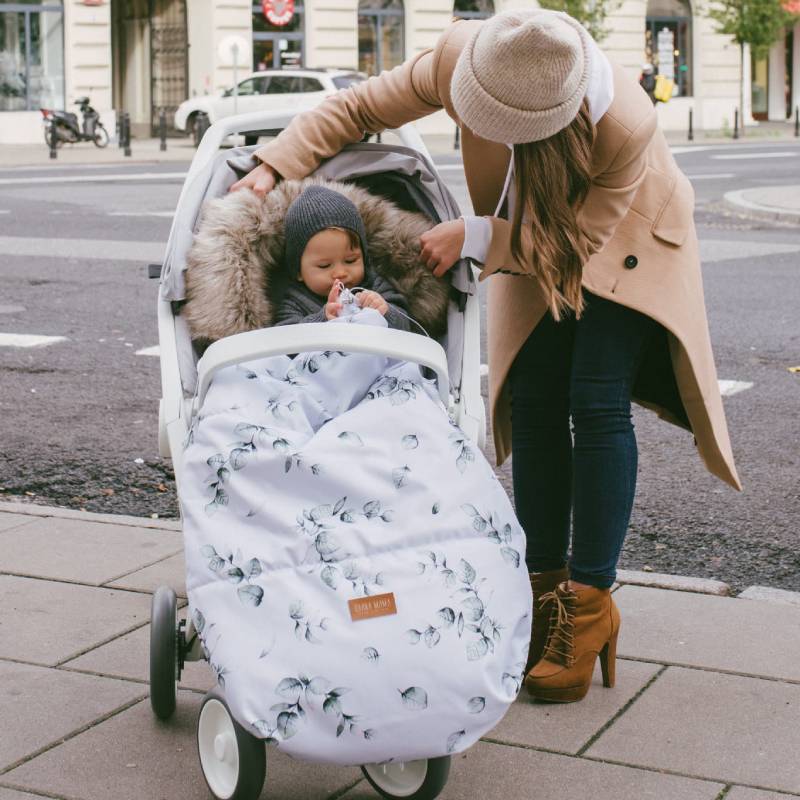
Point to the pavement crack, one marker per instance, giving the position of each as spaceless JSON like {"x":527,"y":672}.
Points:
{"x":622,"y":711}
{"x":72,"y":734}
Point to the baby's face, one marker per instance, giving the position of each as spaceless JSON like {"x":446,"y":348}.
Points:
{"x":329,"y":256}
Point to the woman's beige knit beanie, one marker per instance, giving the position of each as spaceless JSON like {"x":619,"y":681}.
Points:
{"x":522,"y":76}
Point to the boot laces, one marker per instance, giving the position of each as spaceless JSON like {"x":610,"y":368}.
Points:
{"x":560,"y":647}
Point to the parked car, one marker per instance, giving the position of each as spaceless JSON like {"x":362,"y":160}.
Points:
{"x":263,"y":91}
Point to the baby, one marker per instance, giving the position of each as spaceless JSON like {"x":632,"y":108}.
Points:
{"x":326,"y":248}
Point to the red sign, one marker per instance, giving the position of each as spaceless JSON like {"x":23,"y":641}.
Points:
{"x":278,"y":12}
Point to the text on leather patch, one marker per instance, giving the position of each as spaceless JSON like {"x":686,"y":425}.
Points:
{"x":379,"y":605}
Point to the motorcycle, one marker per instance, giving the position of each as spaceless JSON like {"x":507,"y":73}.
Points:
{"x":64,"y":126}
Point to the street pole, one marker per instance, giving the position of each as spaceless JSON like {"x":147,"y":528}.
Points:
{"x":691,"y":131}
{"x":162,"y":130}
{"x":126,"y":122}
{"x":235,"y":52}
{"x":53,"y":135}
{"x":457,"y":138}
{"x":736,"y":123}
{"x":797,"y":121}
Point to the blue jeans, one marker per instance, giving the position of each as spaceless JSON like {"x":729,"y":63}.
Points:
{"x":580,"y":370}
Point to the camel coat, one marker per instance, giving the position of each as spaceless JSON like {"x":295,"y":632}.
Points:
{"x":639,"y":244}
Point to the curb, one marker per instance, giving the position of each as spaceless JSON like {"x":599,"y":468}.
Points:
{"x":737,"y":202}
{"x":34,"y":510}
{"x":625,"y":577}
{"x":677,"y":583}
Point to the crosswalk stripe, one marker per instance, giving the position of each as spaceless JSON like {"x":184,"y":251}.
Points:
{"x":103,"y":249}
{"x":728,"y":388}
{"x":738,"y":156}
{"x":149,"y":351}
{"x":28,"y":340}
{"x":117,"y":178}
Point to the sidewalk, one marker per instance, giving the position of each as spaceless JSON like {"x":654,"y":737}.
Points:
{"x":706,"y":704}
{"x":183,"y":149}
{"x":774,"y":203}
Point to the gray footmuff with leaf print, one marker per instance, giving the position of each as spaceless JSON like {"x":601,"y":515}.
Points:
{"x":354,"y":567}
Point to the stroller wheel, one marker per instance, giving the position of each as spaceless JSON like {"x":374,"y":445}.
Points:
{"x":234,"y":762}
{"x":164,"y":653}
{"x":413,"y":780}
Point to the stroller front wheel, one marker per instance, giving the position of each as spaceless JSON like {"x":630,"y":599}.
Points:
{"x":234,"y":762}
{"x":164,"y":652}
{"x":411,"y":780}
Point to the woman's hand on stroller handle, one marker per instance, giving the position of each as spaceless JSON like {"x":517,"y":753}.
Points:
{"x":261,"y":180}
{"x":441,"y":246}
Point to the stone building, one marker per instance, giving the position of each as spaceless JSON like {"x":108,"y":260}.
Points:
{"x":146,"y":56}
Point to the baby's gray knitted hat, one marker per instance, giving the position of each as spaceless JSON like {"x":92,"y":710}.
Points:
{"x":314,"y":210}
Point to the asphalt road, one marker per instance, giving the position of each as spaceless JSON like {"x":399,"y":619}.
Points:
{"x":78,"y":416}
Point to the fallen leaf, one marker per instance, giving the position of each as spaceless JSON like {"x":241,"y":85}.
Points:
{"x":31,"y":494}
{"x":161,"y":487}
{"x":107,"y":492}
{"x":794,"y":369}
{"x":647,"y":568}
{"x":138,"y":461}
{"x":154,"y":516}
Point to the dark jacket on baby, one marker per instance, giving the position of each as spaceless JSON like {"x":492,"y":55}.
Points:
{"x":300,"y":304}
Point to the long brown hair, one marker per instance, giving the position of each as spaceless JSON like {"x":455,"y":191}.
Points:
{"x":552,"y":177}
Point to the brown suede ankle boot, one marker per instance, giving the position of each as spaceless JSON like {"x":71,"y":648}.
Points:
{"x":584,"y":624}
{"x":542,"y":583}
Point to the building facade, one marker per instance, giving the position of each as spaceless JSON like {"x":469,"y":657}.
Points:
{"x":146,"y":56}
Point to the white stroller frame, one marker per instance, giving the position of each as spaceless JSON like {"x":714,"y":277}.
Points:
{"x":172,"y":643}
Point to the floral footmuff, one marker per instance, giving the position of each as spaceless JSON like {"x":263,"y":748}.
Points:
{"x":354,"y":568}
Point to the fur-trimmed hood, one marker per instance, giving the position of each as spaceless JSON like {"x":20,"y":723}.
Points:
{"x":234,"y":272}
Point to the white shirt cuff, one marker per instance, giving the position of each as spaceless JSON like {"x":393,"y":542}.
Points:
{"x":477,"y":238}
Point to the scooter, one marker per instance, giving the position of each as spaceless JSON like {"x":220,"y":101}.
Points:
{"x":64,"y":126}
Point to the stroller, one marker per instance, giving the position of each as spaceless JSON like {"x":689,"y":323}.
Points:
{"x":230,"y":739}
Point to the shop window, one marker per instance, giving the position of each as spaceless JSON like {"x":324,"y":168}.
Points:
{"x":31,"y":56}
{"x":381,"y":34}
{"x":668,"y":42}
{"x":278,"y":46}
{"x":473,"y":9}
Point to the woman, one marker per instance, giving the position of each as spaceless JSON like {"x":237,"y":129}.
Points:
{"x":598,"y":298}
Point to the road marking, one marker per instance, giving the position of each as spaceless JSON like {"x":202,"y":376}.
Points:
{"x":149,"y":351}
{"x":484,"y":369}
{"x":102,"y":249}
{"x":116,"y":178}
{"x":729,"y":249}
{"x":140,"y":213}
{"x":445,"y":167}
{"x":780,"y":154}
{"x":4,"y":211}
{"x":689,"y":149}
{"x":28,"y":340}
{"x":711,"y":175}
{"x":728,"y":388}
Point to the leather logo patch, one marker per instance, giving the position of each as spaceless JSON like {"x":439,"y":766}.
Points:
{"x":379,"y":605}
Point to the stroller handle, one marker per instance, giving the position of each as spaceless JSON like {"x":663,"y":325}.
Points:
{"x":265,"y":120}
{"x":308,"y":337}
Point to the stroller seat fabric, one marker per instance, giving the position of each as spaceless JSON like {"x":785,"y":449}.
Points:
{"x":354,"y":567}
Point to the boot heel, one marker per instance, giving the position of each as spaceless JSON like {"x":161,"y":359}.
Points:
{"x":608,"y":662}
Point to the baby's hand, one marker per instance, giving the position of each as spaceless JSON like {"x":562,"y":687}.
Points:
{"x":370,"y":299}
{"x":333,"y":307}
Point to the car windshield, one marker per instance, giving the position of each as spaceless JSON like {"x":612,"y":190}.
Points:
{"x":343,"y":81}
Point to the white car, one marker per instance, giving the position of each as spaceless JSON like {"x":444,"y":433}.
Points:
{"x":290,"y":89}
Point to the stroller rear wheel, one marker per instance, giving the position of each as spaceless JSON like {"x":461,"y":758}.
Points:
{"x":234,"y":762}
{"x":164,"y":652}
{"x":412,"y":780}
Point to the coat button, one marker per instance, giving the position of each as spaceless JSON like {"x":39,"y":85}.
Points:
{"x":631,"y":262}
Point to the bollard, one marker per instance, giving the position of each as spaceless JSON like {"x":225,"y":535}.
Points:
{"x":691,"y":129}
{"x":162,"y":130}
{"x":120,"y":130}
{"x":736,"y":123}
{"x":797,"y":121}
{"x":457,"y":139}
{"x":126,"y":123}
{"x":53,"y":138}
{"x":201,"y":125}
{"x":378,"y":138}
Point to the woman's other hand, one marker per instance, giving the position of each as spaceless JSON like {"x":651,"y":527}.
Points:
{"x":441,"y":246}
{"x":333,"y":306}
{"x":261,"y":180}
{"x":369,"y":299}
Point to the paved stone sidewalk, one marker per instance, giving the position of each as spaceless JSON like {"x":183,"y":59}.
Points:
{"x":706,"y":705}
{"x":776,"y":203}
